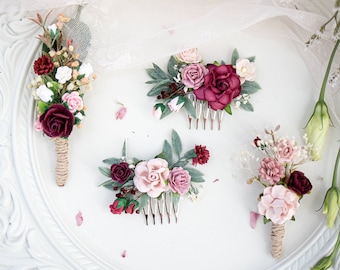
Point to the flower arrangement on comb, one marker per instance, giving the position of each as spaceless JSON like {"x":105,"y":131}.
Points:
{"x":284,"y":185}
{"x":58,"y":88}
{"x":155,"y":186}
{"x":206,"y":91}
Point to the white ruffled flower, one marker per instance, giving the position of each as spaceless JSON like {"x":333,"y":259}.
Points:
{"x":63,"y":74}
{"x":85,"y":69}
{"x":44,"y":93}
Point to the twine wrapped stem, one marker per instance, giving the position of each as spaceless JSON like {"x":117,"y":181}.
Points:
{"x":277,"y":234}
{"x":61,"y":171}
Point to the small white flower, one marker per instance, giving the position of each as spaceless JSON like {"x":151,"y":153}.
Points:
{"x":63,"y":74}
{"x":44,"y":93}
{"x":86,"y":69}
{"x":79,"y":115}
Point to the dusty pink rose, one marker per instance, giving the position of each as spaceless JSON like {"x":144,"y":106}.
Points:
{"x":189,"y":56}
{"x":150,"y":176}
{"x":221,"y":86}
{"x":271,"y":170}
{"x":193,"y":75}
{"x":285,"y":150}
{"x":278,"y":204}
{"x":245,"y":69}
{"x":38,"y":125}
{"x":179,"y":180}
{"x":73,"y":100}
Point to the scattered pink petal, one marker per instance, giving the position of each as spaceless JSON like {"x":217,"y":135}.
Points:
{"x":121,"y":113}
{"x":79,"y":218}
{"x":216,"y":180}
{"x":124,"y":254}
{"x":253,"y":218}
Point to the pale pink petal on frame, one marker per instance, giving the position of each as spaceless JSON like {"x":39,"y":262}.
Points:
{"x":124,"y":253}
{"x":79,"y":218}
{"x":121,"y":113}
{"x":253,"y":218}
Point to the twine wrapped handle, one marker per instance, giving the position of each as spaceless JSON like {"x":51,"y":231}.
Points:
{"x":277,"y":234}
{"x":61,"y":171}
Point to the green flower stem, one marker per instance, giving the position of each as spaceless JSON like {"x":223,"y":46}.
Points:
{"x":336,"y":248}
{"x":325,"y":79}
{"x":335,"y":173}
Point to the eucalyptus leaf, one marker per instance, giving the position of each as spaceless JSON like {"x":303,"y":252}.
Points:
{"x":197,"y":179}
{"x":251,"y":58}
{"x":189,"y":107}
{"x":107,"y":183}
{"x":176,"y":143}
{"x":250,"y":87}
{"x":234,"y":57}
{"x":175,"y":199}
{"x":105,"y":171}
{"x":194,"y":172}
{"x":166,"y":111}
{"x":180,"y":163}
{"x":143,"y":200}
{"x":159,"y":87}
{"x":190,"y":154}
{"x":167,"y":150}
{"x":124,"y":149}
{"x":248,"y":106}
{"x":171,"y":66}
{"x":112,"y":160}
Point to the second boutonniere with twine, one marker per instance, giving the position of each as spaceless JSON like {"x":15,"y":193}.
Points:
{"x":284,"y":185}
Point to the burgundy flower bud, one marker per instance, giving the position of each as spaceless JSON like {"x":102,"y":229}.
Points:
{"x":118,"y":206}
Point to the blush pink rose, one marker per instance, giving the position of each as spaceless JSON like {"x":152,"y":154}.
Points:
{"x":285,"y":150}
{"x":193,"y":75}
{"x":278,"y":204}
{"x":189,"y":56}
{"x":74,"y":101}
{"x":271,"y":170}
{"x":179,"y":180}
{"x":150,"y":176}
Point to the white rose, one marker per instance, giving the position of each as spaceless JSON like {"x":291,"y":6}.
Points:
{"x":63,"y":74}
{"x":44,"y":93}
{"x":85,"y":69}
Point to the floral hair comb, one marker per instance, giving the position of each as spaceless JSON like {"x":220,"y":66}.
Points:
{"x":205,"y":91}
{"x":58,"y":88}
{"x":155,"y":186}
{"x":284,"y":185}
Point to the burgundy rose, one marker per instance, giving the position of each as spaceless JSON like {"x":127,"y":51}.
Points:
{"x":57,"y":121}
{"x":203,"y":155}
{"x":221,"y":86}
{"x":120,"y":172}
{"x":43,"y":65}
{"x":117,"y":207}
{"x":299,"y":183}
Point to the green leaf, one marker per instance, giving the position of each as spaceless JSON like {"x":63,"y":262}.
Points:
{"x":248,"y":106}
{"x":197,"y":179}
{"x":234,"y":57}
{"x":175,"y":199}
{"x":176,"y":143}
{"x":228,"y":109}
{"x":157,"y":73}
{"x":189,"y":107}
{"x":42,"y":106}
{"x":194,"y":172}
{"x":167,"y":150}
{"x":108,"y":184}
{"x":159,"y":87}
{"x":180,"y":163}
{"x":250,"y":87}
{"x":54,"y":86}
{"x":171,"y":67}
{"x":190,"y":154}
{"x":143,"y":200}
{"x":112,"y":160}
{"x":266,"y":220}
{"x":251,"y":58}
{"x":166,"y":112}
{"x":105,"y":171}
{"x":124,"y":149}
